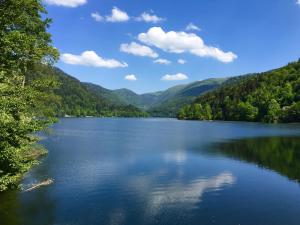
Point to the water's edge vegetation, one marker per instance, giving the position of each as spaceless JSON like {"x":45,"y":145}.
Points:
{"x":25,"y":107}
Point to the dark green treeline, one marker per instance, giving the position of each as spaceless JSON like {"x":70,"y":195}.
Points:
{"x":273,"y":96}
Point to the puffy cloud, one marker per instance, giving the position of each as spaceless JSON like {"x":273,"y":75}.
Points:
{"x":162,"y":61}
{"x":96,"y":16}
{"x":192,"y":26}
{"x":181,"y":61}
{"x":146,"y":17}
{"x":138,"y":50}
{"x":178,"y":76}
{"x":180,"y":42}
{"x":90,"y":58}
{"x":117,"y":15}
{"x":130,"y":77}
{"x":298,"y":2}
{"x":66,"y":3}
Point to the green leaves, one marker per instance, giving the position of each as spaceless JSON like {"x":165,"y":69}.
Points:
{"x":23,"y":36}
{"x":267,"y":97}
{"x":24,"y":42}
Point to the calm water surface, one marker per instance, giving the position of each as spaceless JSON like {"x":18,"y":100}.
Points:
{"x":162,"y":171}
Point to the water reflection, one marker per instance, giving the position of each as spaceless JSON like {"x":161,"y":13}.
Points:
{"x":177,"y":157}
{"x":281,"y":154}
{"x":125,"y":172}
{"x":9,"y":206}
{"x":34,"y":208}
{"x":188,"y":193}
{"x":41,"y":208}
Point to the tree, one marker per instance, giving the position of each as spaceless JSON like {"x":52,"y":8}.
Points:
{"x":208,"y":112}
{"x":246,"y":111}
{"x":273,"y":112}
{"x":286,"y":95}
{"x":182,"y":114}
{"x":272,"y":96}
{"x":292,"y":113}
{"x":197,"y":108}
{"x":24,"y":42}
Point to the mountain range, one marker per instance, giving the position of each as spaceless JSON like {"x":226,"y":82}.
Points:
{"x":87,"y":99}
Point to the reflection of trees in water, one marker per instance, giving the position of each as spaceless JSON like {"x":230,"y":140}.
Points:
{"x":281,"y":154}
{"x":38,"y":207}
{"x":9,"y":208}
{"x":33,"y":208}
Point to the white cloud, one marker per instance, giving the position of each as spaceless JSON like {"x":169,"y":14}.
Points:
{"x":66,"y":3}
{"x":138,"y":50}
{"x":96,"y":16}
{"x":146,"y":17}
{"x":90,"y":58}
{"x":180,"y":42}
{"x":181,"y":61}
{"x":178,"y":76}
{"x":162,"y":61}
{"x":130,"y":77}
{"x":192,"y":26}
{"x":298,"y":2}
{"x":117,"y":15}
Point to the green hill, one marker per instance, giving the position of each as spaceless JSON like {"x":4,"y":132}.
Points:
{"x":87,"y":99}
{"x":129,"y":97}
{"x":104,"y":93}
{"x":167,"y":103}
{"x":272,"y":96}
{"x":171,"y":100}
{"x":83,"y":99}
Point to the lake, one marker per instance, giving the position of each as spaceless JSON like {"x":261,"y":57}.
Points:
{"x":163,"y":172}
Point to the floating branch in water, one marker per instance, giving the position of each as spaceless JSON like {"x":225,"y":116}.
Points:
{"x":41,"y":184}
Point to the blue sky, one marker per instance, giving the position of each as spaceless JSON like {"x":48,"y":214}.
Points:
{"x":138,"y":44}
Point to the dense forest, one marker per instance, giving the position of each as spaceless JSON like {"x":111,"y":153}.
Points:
{"x":82,"y":99}
{"x":272,"y":96}
{"x":87,"y":99}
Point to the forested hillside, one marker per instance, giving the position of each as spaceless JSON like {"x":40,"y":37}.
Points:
{"x":143,"y":101}
{"x":272,"y":96}
{"x":170,"y":101}
{"x":83,"y":99}
{"x":167,"y":103}
{"x":87,"y":99}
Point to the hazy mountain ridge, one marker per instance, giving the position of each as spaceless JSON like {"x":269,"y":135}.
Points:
{"x":168,"y":102}
{"x":173,"y":99}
